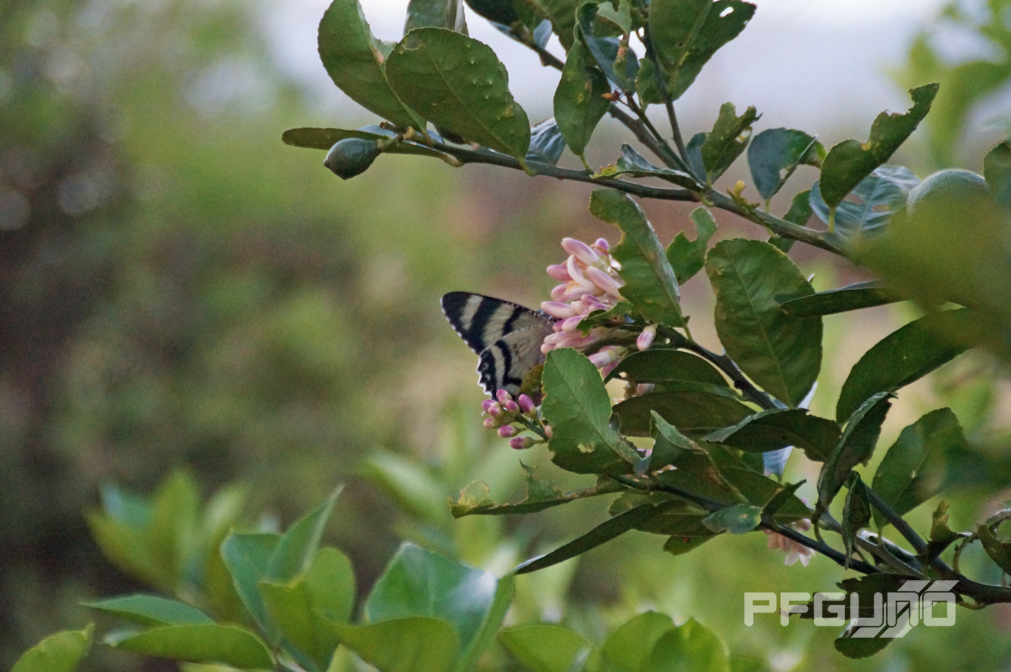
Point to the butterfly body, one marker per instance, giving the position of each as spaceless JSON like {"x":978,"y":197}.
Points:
{"x":506,"y":336}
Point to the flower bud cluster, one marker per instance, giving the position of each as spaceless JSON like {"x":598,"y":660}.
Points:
{"x":590,"y":282}
{"x":511,"y":416}
{"x":793,"y":550}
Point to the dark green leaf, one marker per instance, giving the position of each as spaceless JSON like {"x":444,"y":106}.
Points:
{"x":435,"y":14}
{"x":325,"y":138}
{"x":695,"y":412}
{"x":628,"y":648}
{"x":661,"y":366}
{"x":458,"y":83}
{"x":498,"y":11}
{"x":855,"y":446}
{"x":617,"y":60}
{"x":650,"y":284}
{"x":881,"y":194}
{"x":546,"y":143}
{"x":151,"y":610}
{"x":420,"y":583}
{"x":861,"y":647}
{"x":901,"y":358}
{"x":997,"y":171}
{"x":601,"y":534}
{"x":800,"y":209}
{"x":599,"y":318}
{"x":728,"y":139}
{"x":775,"y":153}
{"x":620,"y":18}
{"x":688,"y":257}
{"x":577,"y":406}
{"x":202,"y":643}
{"x":849,"y":162}
{"x":562,"y":14}
{"x":579,"y":101}
{"x":999,"y":552}
{"x":634,"y":164}
{"x":668,"y":444}
{"x":852,"y":297}
{"x":416,"y":644}
{"x":686,"y":34}
{"x":247,"y":557}
{"x":354,"y":58}
{"x":694,"y":151}
{"x":856,"y":512}
{"x":691,"y":647}
{"x":913,"y":469}
{"x":784,"y":500}
{"x":738,"y":519}
{"x":779,"y":352}
{"x":59,"y":652}
{"x":545,"y":648}
{"x":778,"y":428}
{"x":941,"y":535}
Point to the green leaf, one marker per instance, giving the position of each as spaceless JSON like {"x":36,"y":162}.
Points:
{"x":420,"y":583}
{"x":491,"y":624}
{"x":607,"y":51}
{"x":354,"y":59}
{"x":128,"y":548}
{"x":739,"y":519}
{"x":59,"y":652}
{"x":997,"y":171}
{"x":856,"y":445}
{"x":860,"y":647}
{"x":941,"y":535}
{"x":202,"y":643}
{"x":650,"y":283}
{"x":695,"y":412}
{"x":435,"y":14}
{"x":415,"y":644}
{"x":577,"y":406}
{"x":688,"y":257}
{"x":298,"y":546}
{"x":621,"y":17}
{"x":691,"y":647}
{"x":686,"y":34}
{"x":778,"y":428}
{"x":628,"y":648}
{"x":800,"y":210}
{"x":634,"y":164}
{"x":545,"y":648}
{"x":546,"y":143}
{"x":999,"y":552}
{"x":694,"y":151}
{"x":663,"y":366}
{"x":728,"y":139}
{"x":458,"y":83}
{"x":849,"y":162}
{"x":171,"y":535}
{"x":562,"y":14}
{"x":856,"y":513}
{"x":247,"y":557}
{"x":668,"y":444}
{"x":779,"y":352}
{"x":579,"y":102}
{"x":913,"y":469}
{"x":614,"y":316}
{"x":881,"y":194}
{"x":844,"y":299}
{"x":902,"y":357}
{"x":601,"y":534}
{"x":409,"y":482}
{"x":498,"y":11}
{"x":541,"y":495}
{"x":775,"y":153}
{"x":305,"y":608}
{"x":151,"y":610}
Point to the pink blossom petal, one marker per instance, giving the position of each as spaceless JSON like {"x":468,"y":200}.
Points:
{"x":578,"y":277}
{"x":506,"y":431}
{"x":645,"y":339}
{"x":580,"y":250}
{"x":569,"y":325}
{"x":559,"y":272}
{"x":511,"y":406}
{"x":604,"y":281}
{"x":526,"y":403}
{"x":602,"y":244}
{"x":559,"y":290}
{"x":557,"y":309}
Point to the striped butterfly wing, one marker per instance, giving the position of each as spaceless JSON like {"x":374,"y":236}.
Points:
{"x":507,"y":337}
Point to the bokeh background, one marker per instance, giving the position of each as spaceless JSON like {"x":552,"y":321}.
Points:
{"x":180,"y":289}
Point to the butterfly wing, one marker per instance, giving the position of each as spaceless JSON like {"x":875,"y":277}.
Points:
{"x":506,"y":336}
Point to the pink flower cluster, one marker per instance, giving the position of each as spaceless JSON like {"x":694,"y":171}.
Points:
{"x":507,"y":415}
{"x":590,"y":282}
{"x":793,"y":550}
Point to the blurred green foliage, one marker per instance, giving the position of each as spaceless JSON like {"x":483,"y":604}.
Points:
{"x":178,"y":287}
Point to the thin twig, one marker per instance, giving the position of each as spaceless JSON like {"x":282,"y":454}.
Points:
{"x":665,"y":94}
{"x":908,"y":533}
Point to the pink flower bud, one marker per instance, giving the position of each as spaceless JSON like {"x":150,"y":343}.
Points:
{"x":506,"y":431}
{"x":602,"y":244}
{"x":578,"y":277}
{"x":646,"y":338}
{"x":604,"y":281}
{"x":606,"y":371}
{"x":558,"y":272}
{"x":559,"y":290}
{"x":593,"y":303}
{"x":526,"y":403}
{"x":569,"y":325}
{"x":547,"y":347}
{"x":547,"y":431}
{"x":580,"y":250}
{"x":575,"y":291}
{"x":511,"y":406}
{"x":609,"y":354}
{"x":644,"y":388}
{"x":489,"y":422}
{"x":493,"y":408}
{"x":520,"y":443}
{"x":557,"y":309}
{"x":503,"y":396}
{"x":487,"y":404}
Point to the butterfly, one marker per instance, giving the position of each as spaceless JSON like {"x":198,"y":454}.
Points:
{"x":506,"y":337}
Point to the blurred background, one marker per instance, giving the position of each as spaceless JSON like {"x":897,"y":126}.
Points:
{"x":180,"y":289}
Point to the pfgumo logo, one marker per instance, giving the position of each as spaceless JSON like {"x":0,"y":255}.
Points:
{"x":888,"y":616}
